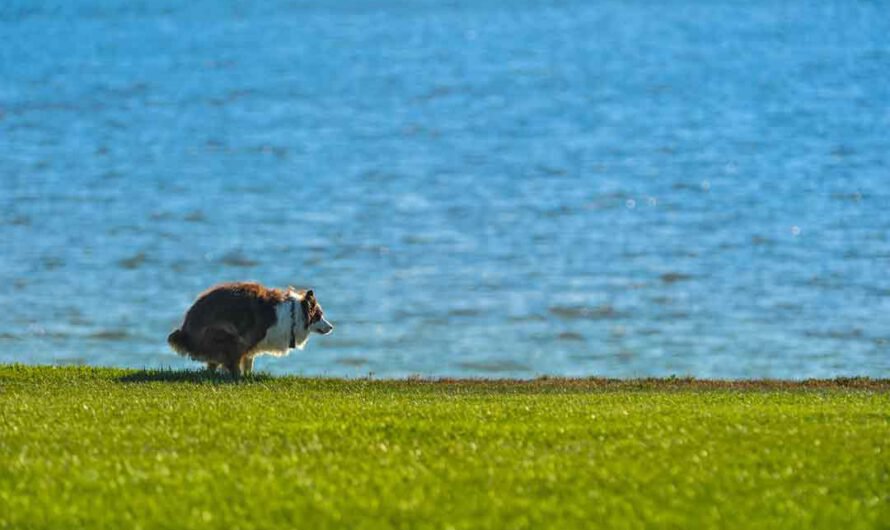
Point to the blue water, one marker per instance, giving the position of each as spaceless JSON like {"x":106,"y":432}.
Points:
{"x":475,"y":188}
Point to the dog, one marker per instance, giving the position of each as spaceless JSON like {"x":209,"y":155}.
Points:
{"x":231,"y":323}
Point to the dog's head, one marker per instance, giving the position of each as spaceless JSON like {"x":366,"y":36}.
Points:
{"x":313,"y":315}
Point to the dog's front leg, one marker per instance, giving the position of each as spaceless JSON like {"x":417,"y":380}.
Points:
{"x":247,"y":364}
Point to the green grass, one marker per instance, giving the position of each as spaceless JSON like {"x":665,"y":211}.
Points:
{"x":107,"y":448}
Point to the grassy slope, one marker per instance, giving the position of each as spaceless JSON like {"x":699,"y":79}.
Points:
{"x":106,"y":448}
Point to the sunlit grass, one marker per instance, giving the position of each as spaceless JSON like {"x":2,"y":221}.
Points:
{"x":104,"y":448}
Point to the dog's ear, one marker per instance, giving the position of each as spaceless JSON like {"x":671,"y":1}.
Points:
{"x":310,"y":296}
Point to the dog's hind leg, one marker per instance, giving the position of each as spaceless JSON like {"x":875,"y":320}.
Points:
{"x":234,"y":368}
{"x":211,"y":367}
{"x":233,"y":359}
{"x":223,"y":340}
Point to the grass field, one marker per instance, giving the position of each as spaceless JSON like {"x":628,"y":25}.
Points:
{"x":107,"y":448}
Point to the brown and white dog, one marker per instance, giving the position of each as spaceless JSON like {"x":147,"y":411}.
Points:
{"x":232,"y":323}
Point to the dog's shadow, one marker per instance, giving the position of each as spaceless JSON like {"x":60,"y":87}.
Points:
{"x":190,"y":376}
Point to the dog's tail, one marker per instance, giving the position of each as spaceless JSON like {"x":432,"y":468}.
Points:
{"x":178,"y":340}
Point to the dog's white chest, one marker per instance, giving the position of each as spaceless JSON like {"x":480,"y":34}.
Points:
{"x":278,"y":337}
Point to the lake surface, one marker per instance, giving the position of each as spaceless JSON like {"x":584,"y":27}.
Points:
{"x":495,"y":189}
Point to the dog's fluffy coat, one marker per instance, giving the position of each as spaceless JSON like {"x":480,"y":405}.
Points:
{"x":232,"y":323}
